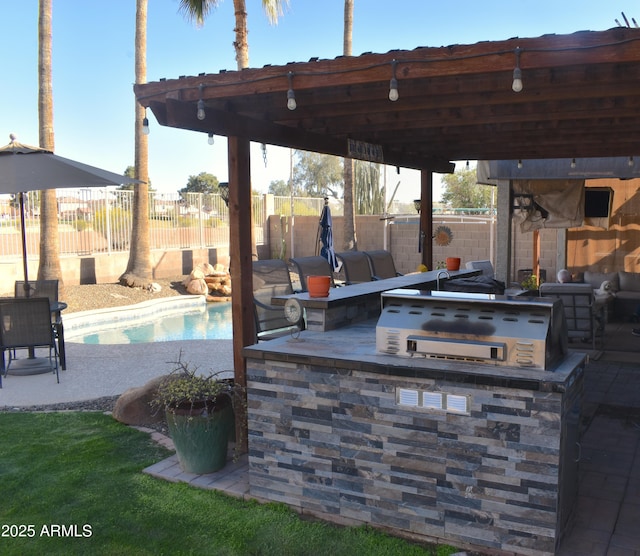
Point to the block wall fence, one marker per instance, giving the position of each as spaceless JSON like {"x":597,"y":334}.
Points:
{"x":472,"y":240}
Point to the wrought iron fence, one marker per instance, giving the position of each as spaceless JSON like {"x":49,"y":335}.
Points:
{"x":99,"y":220}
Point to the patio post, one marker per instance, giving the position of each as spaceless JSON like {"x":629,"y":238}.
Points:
{"x":426,"y":217}
{"x":240,"y":254}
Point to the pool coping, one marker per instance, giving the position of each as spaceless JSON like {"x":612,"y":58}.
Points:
{"x":83,"y":322}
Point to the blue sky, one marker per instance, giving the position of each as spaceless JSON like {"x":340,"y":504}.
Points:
{"x":93,"y":73}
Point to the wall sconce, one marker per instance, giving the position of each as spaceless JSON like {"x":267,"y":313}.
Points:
{"x":393,"y":84}
{"x":223,"y":187}
{"x":201,"y":114}
{"x":291,"y":95}
{"x":516,"y":85}
{"x":417,"y":204}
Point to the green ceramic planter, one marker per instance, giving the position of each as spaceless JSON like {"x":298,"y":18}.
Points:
{"x":201,"y":441}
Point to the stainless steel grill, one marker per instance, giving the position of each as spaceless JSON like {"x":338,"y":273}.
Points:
{"x":482,"y":328}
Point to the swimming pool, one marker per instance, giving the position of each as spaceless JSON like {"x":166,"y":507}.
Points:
{"x":208,"y":322}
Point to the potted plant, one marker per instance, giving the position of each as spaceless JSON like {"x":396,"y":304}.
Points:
{"x":530,"y":283}
{"x":199,"y":410}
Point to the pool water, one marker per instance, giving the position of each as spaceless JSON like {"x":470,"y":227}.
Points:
{"x":214,"y":323}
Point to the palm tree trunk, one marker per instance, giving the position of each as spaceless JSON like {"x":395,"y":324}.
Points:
{"x":349,"y":221}
{"x":49,"y":267}
{"x":139,"y":273}
{"x":241,"y":44}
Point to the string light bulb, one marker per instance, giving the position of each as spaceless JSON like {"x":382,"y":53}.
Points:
{"x":210,"y":139}
{"x":630,"y":161}
{"x":573,"y":162}
{"x":519,"y":164}
{"x":516,"y":85}
{"x":393,"y":84}
{"x":145,"y":124}
{"x":291,"y":95}
{"x":201,"y":114}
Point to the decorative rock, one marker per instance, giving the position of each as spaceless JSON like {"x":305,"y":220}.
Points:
{"x":132,"y":407}
{"x":196,"y":274}
{"x":197,"y":287}
{"x":154,"y":287}
{"x":205,"y":268}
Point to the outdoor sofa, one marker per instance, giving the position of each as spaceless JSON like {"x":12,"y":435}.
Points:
{"x":625,"y":290}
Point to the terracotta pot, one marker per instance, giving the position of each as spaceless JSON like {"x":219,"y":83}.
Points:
{"x":318,"y":286}
{"x":453,"y":263}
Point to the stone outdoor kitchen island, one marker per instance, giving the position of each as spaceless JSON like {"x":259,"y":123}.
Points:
{"x":464,"y":449}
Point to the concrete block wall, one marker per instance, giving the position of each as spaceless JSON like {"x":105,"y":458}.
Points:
{"x":105,"y":268}
{"x":471,"y":240}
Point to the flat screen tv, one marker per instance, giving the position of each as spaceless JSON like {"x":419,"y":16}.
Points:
{"x":597,"y":202}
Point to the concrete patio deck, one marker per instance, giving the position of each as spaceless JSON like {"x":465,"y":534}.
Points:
{"x":608,"y":508}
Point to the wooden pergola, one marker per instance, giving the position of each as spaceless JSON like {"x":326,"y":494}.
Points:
{"x":580,"y":98}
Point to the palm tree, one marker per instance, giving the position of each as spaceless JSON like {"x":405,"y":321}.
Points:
{"x":138,"y":272}
{"x":49,"y":267}
{"x":199,"y":9}
{"x":349,"y":221}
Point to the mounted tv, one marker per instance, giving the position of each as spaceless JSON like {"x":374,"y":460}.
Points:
{"x":597,"y":202}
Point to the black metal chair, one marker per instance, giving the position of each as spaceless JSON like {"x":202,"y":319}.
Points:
{"x":382,"y":265}
{"x":26,"y":324}
{"x":584,"y":318}
{"x":271,"y":278}
{"x":355,"y":265}
{"x":312,"y":266}
{"x":50,"y":290}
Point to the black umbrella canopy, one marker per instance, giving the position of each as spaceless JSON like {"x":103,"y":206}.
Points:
{"x":26,"y":168}
{"x":326,"y":237}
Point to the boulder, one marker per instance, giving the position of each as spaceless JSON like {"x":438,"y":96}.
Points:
{"x":132,"y":407}
{"x":205,"y":268}
{"x":197,"y":287}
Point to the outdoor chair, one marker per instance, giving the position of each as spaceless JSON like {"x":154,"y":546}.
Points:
{"x":583,"y":316}
{"x":382,"y":265}
{"x":271,"y":278}
{"x":312,"y":266}
{"x":356,"y":267}
{"x":25,"y":323}
{"x":48,"y":289}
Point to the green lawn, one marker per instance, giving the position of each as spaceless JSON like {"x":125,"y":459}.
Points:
{"x":71,"y":483}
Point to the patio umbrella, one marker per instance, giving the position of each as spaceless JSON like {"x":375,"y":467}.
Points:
{"x":24,"y":168}
{"x":326,"y":237}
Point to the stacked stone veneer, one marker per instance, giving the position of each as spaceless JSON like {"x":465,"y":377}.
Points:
{"x":335,"y":444}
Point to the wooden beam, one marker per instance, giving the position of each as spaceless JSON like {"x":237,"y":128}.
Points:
{"x":183,"y":115}
{"x":241,"y":267}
